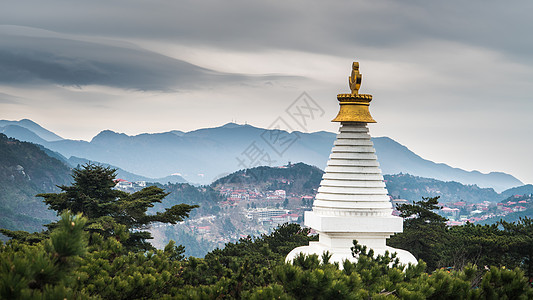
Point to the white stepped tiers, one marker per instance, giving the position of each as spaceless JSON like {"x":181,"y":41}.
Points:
{"x":352,"y":202}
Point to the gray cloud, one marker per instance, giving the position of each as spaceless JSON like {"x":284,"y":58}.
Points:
{"x":314,"y":26}
{"x":64,"y":61}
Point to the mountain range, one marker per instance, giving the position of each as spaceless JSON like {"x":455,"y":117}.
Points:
{"x":203,"y":155}
{"x":27,"y":169}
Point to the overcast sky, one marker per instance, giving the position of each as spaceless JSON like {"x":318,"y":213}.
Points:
{"x":451,"y":80}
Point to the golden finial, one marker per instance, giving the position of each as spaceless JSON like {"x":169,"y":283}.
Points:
{"x":356,"y":78}
{"x":354,"y":106}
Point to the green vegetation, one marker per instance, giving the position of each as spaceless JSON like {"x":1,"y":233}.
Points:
{"x":26,"y":170}
{"x":99,"y":250}
{"x":382,"y":277}
{"x":110,"y":212}
{"x":294,"y":179}
{"x":45,"y":270}
{"x":423,"y":230}
{"x":65,"y":266}
{"x":426,"y":236}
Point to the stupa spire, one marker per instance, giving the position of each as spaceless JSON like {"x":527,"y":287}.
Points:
{"x":354,"y":106}
{"x":352,"y":201}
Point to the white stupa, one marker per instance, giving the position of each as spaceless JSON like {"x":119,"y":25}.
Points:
{"x":352,"y":201}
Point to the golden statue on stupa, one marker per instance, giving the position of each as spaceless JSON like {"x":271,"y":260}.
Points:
{"x":355,"y":79}
{"x":354,"y":106}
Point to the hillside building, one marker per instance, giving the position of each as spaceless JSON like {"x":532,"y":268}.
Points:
{"x":266,"y":214}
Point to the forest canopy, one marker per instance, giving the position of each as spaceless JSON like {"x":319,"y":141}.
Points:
{"x":99,"y":249}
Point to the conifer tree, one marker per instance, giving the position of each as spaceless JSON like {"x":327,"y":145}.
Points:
{"x":424,"y":231}
{"x":483,"y":245}
{"x":43,"y":271}
{"x":520,"y":236}
{"x":109,"y":210}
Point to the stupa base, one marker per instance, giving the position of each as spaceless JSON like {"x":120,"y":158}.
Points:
{"x":339,"y":255}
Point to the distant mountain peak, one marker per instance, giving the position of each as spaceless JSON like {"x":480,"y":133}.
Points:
{"x":34,"y":127}
{"x":28,"y":121}
{"x":107,"y":134}
{"x":233,"y":125}
{"x":21,"y":133}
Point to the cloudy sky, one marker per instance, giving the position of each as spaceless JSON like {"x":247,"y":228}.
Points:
{"x":451,"y":80}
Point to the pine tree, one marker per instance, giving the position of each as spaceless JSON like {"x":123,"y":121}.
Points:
{"x":111,"y":211}
{"x":424,"y":231}
{"x":483,"y":245}
{"x":44,"y":270}
{"x":520,"y":236}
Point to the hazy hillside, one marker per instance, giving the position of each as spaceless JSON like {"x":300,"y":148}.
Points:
{"x":22,"y":134}
{"x":413,"y":188}
{"x":304,"y":179}
{"x":26,"y":170}
{"x":74,"y":161}
{"x":204,"y":155}
{"x":396,"y":158}
{"x":205,"y":196}
{"x":33,"y":127}
{"x":294,"y":179}
{"x":524,"y":200}
{"x":519,"y":190}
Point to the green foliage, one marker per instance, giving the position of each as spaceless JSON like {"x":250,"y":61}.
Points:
{"x":505,"y":244}
{"x":44,"y":269}
{"x":424,"y":231}
{"x":520,"y":242}
{"x":421,"y":213}
{"x":501,"y":283}
{"x":105,"y":257}
{"x":243,"y":265}
{"x":69,"y":240}
{"x":112,"y":212}
{"x":24,"y":236}
{"x":484,"y":245}
{"x":112,"y":273}
{"x":91,"y":193}
{"x":63,"y":266}
{"x":382,"y":277}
